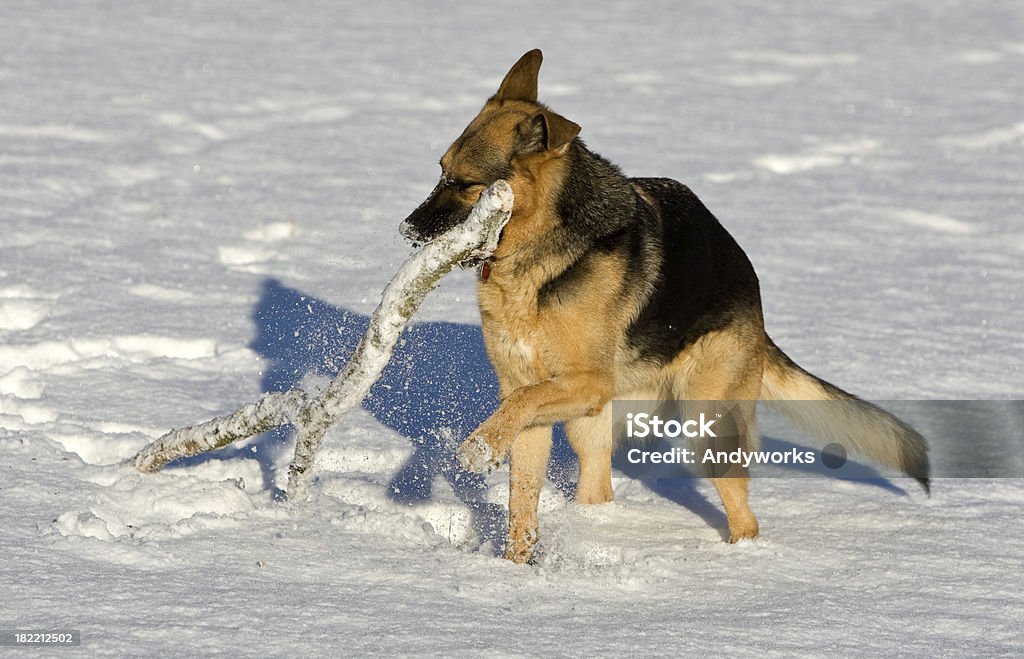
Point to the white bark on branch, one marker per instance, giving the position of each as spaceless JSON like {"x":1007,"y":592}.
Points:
{"x":477,"y":237}
{"x":269,"y":412}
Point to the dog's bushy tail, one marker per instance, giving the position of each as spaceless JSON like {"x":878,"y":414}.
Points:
{"x":841,"y":417}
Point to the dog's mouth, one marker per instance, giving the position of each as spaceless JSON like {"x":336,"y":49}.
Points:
{"x":471,"y":262}
{"x":477,"y":261}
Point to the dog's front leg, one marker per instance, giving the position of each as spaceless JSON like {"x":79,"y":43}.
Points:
{"x":522,"y":424}
{"x":550,"y":401}
{"x":527,"y":467}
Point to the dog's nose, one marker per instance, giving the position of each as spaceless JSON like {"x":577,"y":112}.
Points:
{"x":408,"y":231}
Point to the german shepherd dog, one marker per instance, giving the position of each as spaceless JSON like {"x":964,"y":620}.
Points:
{"x":606,"y":287}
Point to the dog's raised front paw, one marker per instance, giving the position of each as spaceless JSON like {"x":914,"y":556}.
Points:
{"x":475,"y":455}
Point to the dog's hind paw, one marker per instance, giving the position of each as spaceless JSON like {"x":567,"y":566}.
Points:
{"x":475,"y":455}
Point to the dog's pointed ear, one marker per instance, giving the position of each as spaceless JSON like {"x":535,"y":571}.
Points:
{"x":544,"y":131}
{"x":520,"y":83}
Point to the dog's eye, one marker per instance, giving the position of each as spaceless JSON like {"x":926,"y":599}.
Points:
{"x":458,"y":184}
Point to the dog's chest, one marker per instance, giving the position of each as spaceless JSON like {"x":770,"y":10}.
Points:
{"x":514,"y":331}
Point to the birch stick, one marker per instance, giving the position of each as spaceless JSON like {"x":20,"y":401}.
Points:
{"x":477,"y":237}
{"x":269,"y":412}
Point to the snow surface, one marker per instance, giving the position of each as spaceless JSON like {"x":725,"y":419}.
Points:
{"x":200,"y":203}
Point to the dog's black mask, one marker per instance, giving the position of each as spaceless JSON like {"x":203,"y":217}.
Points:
{"x":441,"y":211}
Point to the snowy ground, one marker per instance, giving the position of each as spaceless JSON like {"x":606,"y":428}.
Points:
{"x":200,"y":203}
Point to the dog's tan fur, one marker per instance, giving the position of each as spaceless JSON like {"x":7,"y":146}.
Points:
{"x":567,"y":364}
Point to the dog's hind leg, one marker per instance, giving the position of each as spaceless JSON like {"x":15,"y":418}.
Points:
{"x":727,"y":366}
{"x":592,"y":439}
{"x":528,"y":463}
{"x":733,"y":488}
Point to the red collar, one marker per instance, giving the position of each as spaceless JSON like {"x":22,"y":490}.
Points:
{"x":485,"y":271}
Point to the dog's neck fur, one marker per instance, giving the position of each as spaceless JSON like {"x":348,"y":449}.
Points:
{"x":589,"y":205}
{"x":595,"y":195}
